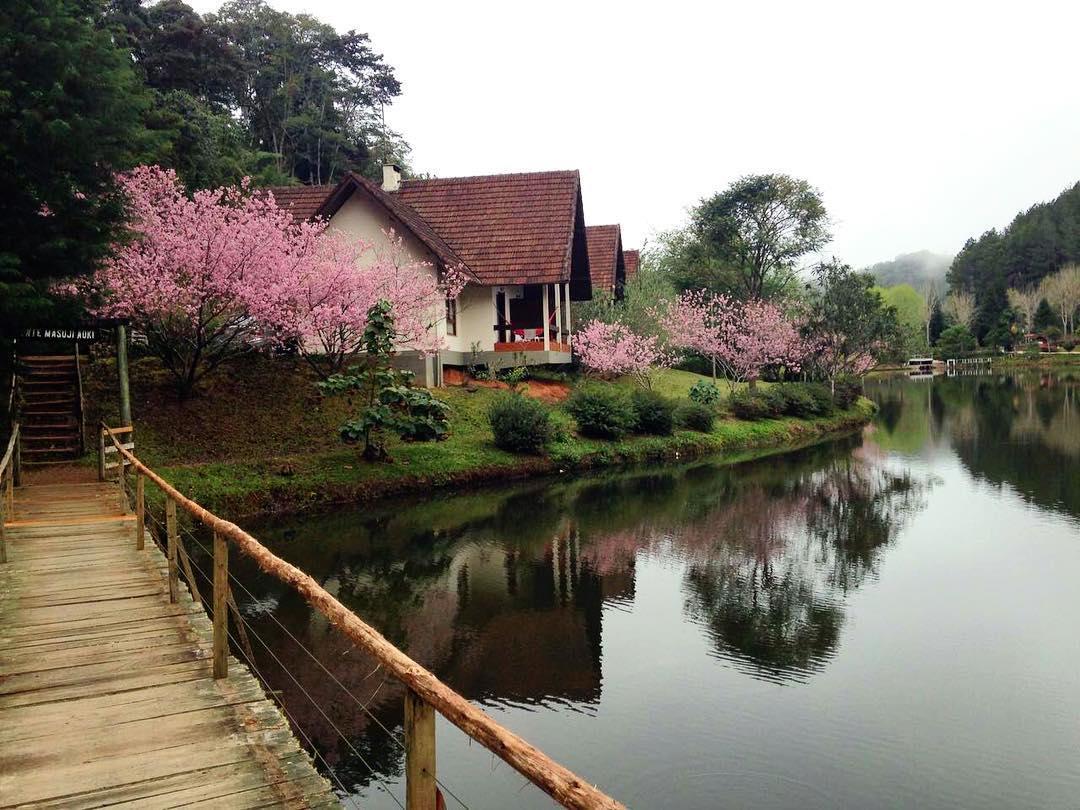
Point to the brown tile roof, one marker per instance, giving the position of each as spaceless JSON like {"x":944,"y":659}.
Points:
{"x":308,"y":202}
{"x":605,"y":255}
{"x":509,"y":228}
{"x":303,"y":202}
{"x":633,"y":261}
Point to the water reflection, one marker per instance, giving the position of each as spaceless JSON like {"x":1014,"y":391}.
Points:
{"x":503,"y":594}
{"x":570,"y":599}
{"x":1019,"y":430}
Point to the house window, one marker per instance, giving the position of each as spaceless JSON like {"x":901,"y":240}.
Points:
{"x":451,"y":316}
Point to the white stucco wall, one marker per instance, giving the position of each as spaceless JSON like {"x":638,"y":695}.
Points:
{"x":362,"y":218}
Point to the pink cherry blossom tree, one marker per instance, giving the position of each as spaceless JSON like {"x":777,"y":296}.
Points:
{"x":742,"y":338}
{"x":327,"y":303}
{"x":209,"y":276}
{"x":613,"y":350}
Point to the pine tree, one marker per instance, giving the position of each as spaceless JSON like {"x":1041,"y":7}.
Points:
{"x":71,"y":110}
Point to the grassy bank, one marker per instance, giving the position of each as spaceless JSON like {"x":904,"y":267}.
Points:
{"x":261,"y":439}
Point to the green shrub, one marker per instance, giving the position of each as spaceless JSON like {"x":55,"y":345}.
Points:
{"x":520,"y":424}
{"x":704,"y":392}
{"x":653,"y":413}
{"x":695,"y":416}
{"x":806,"y":400}
{"x":1068,"y":344}
{"x":761,"y":403}
{"x":846,"y":391}
{"x":601,"y":410}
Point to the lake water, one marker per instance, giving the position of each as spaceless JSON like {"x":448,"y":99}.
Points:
{"x":888,"y":620}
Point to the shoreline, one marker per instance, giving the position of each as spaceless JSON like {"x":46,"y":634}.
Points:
{"x":296,"y":484}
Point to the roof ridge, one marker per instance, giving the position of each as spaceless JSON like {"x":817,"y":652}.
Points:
{"x":496,"y":176}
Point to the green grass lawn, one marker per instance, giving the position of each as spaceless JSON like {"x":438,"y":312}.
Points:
{"x":261,"y":437}
{"x":672,"y":382}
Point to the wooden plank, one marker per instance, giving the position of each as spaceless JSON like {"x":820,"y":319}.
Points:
{"x":107,"y":694}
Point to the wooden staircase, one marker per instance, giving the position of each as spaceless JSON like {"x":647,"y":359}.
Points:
{"x":51,"y":429}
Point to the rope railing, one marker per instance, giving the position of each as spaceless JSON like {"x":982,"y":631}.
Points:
{"x":425,"y":693}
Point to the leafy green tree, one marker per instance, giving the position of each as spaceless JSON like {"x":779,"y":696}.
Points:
{"x":1045,"y":317}
{"x":308,"y":94}
{"x":71,"y":110}
{"x":747,"y":240}
{"x":647,"y":292}
{"x":937,"y":322}
{"x":954,"y":341}
{"x":909,"y":306}
{"x":848,"y":322}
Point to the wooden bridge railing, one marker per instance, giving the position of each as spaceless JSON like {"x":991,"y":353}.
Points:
{"x":425,"y":693}
{"x":10,"y":472}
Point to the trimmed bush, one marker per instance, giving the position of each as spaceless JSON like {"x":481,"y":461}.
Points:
{"x":695,"y":416}
{"x":846,"y":391}
{"x":806,"y":400}
{"x":704,"y":392}
{"x":602,"y":411}
{"x":761,"y":403}
{"x":653,"y":413}
{"x":520,"y":424}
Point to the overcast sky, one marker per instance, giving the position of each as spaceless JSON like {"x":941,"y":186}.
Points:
{"x":921,"y":123}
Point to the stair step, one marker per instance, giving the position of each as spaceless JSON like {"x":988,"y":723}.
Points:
{"x":26,"y":357}
{"x":44,"y":462}
{"x":53,"y":437}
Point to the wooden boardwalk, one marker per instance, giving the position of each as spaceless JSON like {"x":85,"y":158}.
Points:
{"x":106,"y":690}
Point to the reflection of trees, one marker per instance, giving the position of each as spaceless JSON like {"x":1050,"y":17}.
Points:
{"x":503,"y":594}
{"x":771,"y":595}
{"x":1023,"y":431}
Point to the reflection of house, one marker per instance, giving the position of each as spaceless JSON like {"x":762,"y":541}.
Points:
{"x":606,"y":264}
{"x":519,"y":237}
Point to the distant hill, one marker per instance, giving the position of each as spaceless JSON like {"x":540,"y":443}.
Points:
{"x":915,"y":269}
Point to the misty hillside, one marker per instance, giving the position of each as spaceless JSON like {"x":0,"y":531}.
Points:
{"x":915,"y":269}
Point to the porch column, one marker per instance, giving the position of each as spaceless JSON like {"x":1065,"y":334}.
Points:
{"x":547,"y":316}
{"x":569,"y":326}
{"x":495,"y":311}
{"x":506,"y":316}
{"x":558,"y":310}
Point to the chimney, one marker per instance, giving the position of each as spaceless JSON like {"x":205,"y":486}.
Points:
{"x":391,"y":177}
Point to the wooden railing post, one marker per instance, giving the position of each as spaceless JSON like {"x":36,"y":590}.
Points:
{"x":101,"y":454}
{"x":419,"y":753}
{"x":9,"y":491}
{"x":221,"y":606}
{"x":3,"y":536}
{"x":140,"y":511}
{"x":170,"y":531}
{"x":122,"y":480}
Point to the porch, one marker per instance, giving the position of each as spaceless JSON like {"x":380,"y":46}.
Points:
{"x":533,"y":318}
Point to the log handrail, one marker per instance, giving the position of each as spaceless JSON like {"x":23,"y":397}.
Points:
{"x":562,"y":784}
{"x":10,"y":456}
{"x":10,"y":471}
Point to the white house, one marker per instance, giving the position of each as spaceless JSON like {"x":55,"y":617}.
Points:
{"x":520,"y":238}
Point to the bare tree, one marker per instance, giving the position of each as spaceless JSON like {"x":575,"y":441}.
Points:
{"x":1062,"y":291}
{"x":1026,"y":302}
{"x":931,"y":297}
{"x":960,"y":306}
